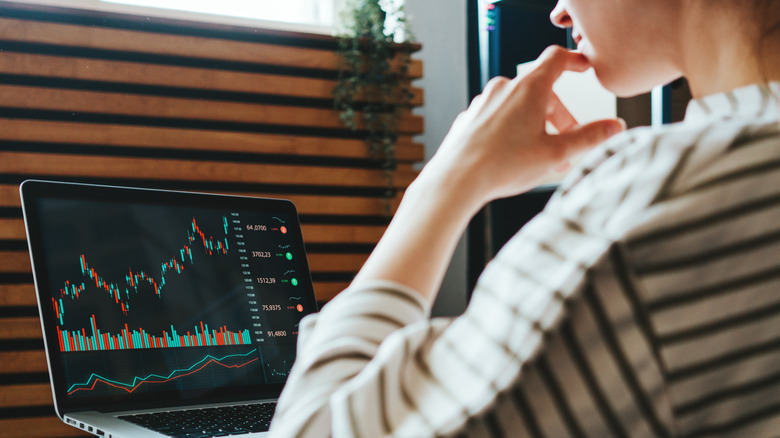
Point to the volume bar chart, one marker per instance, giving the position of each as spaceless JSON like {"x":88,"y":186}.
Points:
{"x":139,"y":339}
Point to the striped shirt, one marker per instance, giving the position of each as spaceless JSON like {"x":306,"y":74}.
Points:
{"x":643,"y":301}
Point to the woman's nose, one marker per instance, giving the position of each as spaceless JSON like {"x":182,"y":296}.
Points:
{"x":560,"y":16}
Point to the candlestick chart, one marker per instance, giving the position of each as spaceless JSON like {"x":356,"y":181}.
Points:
{"x":148,"y":298}
{"x":123,"y":292}
{"x":133,"y":280}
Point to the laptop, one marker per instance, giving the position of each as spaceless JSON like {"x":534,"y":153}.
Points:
{"x":166,"y":313}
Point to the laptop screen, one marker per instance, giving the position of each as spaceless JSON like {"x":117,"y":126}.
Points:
{"x":165,"y":296}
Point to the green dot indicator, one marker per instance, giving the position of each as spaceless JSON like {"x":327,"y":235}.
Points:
{"x":294,"y":282}
{"x":288,"y":255}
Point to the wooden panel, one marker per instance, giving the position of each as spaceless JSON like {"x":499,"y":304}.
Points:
{"x":50,"y":165}
{"x":341,"y":205}
{"x":173,"y":45}
{"x":306,"y":204}
{"x":36,"y":427}
{"x":78,"y":101}
{"x":326,"y":291}
{"x":369,"y":234}
{"x":24,"y":295}
{"x":19,"y":262}
{"x":23,"y":362}
{"x":171,"y":76}
{"x":20,"y":328}
{"x":162,"y":75}
{"x":9,"y":196}
{"x":16,"y":294}
{"x":37,"y":394}
{"x":12,"y":229}
{"x":15,"y":262}
{"x":319,"y":262}
{"x":343,"y":233}
{"x":60,"y":134}
{"x":181,"y":105}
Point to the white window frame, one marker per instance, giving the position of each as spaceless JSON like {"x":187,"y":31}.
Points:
{"x":106,"y":6}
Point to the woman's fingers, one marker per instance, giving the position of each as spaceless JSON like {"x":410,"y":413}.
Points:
{"x":553,"y":62}
{"x":500,"y":140}
{"x":587,"y":136}
{"x":559,"y":116}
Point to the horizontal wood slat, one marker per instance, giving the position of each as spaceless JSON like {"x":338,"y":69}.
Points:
{"x":15,"y":262}
{"x":9,"y":196}
{"x":61,"y":134}
{"x":37,"y":394}
{"x":174,"y":45}
{"x":53,"y":165}
{"x":24,"y":328}
{"x":78,"y":101}
{"x":19,"y":262}
{"x":38,"y":427}
{"x":344,"y":233}
{"x":320,"y":262}
{"x":16,"y":294}
{"x":326,"y":291}
{"x":12,"y":229}
{"x":85,"y":69}
{"x":306,"y":204}
{"x":23,"y":362}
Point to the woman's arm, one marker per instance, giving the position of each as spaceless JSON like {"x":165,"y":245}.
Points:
{"x":497,"y":148}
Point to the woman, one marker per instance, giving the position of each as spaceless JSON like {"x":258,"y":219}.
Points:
{"x":642,"y":302}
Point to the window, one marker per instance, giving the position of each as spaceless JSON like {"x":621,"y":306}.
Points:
{"x":305,"y":15}
{"x":312,"y":12}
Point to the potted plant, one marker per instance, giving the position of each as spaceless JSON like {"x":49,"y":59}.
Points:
{"x":375,"y":47}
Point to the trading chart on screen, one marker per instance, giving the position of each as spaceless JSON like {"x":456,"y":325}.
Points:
{"x":149,"y":298}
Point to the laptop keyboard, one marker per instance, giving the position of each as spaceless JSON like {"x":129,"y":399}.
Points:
{"x":206,"y":422}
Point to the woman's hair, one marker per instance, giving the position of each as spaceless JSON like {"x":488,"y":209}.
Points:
{"x":768,"y":16}
{"x":769,"y":11}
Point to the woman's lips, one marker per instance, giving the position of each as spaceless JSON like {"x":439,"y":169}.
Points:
{"x":576,"y":37}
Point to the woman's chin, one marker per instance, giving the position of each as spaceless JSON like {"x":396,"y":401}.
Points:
{"x":624,"y":83}
{"x":628,"y":79}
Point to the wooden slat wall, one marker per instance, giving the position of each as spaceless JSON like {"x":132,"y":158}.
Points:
{"x":118,"y":99}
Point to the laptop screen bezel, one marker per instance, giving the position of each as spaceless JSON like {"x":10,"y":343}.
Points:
{"x":32,"y":191}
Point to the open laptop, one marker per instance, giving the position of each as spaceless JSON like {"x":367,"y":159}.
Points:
{"x":174,"y":304}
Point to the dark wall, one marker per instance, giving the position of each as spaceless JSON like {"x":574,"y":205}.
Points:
{"x":519,"y":31}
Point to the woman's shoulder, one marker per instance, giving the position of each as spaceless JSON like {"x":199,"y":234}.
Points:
{"x":645,"y":167}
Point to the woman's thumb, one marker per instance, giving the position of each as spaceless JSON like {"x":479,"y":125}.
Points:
{"x":592,"y":134}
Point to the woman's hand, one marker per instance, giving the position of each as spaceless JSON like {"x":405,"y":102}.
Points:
{"x":499,"y":146}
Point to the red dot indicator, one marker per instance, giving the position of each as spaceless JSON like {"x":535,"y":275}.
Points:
{"x":283,"y":229}
{"x":299,"y":307}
